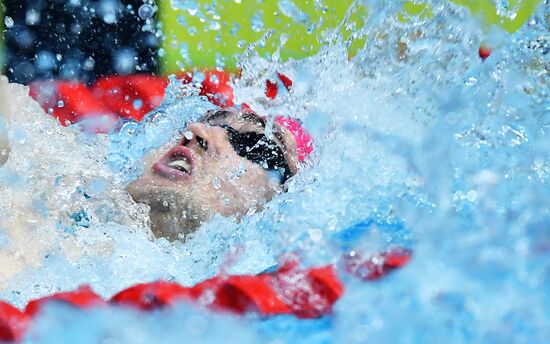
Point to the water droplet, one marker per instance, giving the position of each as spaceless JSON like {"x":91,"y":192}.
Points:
{"x":32,"y":17}
{"x":215,"y":26}
{"x":89,"y":63}
{"x":125,"y":60}
{"x":107,"y":10}
{"x":217,"y":183}
{"x":137,"y":104}
{"x":235,"y":29}
{"x":60,"y":104}
{"x":504,"y":9}
{"x":182,"y":21}
{"x":251,"y":211}
{"x":188,"y":135}
{"x":146,"y":11}
{"x":471,"y":81}
{"x":214,"y":79}
{"x":257,"y":22}
{"x":45,"y":60}
{"x":241,"y":171}
{"x":9,"y":22}
{"x":315,"y":234}
{"x":184,"y":52}
{"x":109,"y":18}
{"x":289,"y":9}
{"x":198,"y":77}
{"x":220,"y":61}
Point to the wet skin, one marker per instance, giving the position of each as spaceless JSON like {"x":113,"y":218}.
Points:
{"x":203,"y":175}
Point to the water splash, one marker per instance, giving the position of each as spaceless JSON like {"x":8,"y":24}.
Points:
{"x":413,"y":129}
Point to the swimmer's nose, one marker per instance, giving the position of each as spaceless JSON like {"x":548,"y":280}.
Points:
{"x":205,"y":137}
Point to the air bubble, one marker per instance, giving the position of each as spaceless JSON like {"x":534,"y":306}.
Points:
{"x":146,"y":11}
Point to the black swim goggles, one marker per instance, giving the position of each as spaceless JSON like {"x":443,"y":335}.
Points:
{"x":259,"y":149}
{"x":253,"y":146}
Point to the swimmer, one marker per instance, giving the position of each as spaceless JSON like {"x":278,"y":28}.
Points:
{"x":224,"y":164}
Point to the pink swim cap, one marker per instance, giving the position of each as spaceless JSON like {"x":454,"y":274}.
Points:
{"x":304,"y":143}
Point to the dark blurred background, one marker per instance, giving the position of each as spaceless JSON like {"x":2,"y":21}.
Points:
{"x":78,"y":39}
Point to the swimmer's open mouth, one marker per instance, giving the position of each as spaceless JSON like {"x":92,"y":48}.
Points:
{"x":177,"y":164}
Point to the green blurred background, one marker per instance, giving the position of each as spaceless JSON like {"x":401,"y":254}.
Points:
{"x":209,"y":36}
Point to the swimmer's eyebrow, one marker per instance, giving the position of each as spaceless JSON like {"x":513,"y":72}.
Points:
{"x":218,"y":114}
{"x":250,"y":117}
{"x":253,"y":118}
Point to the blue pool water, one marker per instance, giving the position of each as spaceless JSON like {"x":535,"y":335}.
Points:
{"x":414,"y":130}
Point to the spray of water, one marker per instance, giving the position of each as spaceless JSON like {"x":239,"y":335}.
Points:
{"x":413,"y":129}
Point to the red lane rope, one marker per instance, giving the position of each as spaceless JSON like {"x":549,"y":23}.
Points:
{"x":291,"y":290}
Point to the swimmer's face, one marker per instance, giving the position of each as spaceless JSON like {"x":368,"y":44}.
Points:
{"x":223,"y":165}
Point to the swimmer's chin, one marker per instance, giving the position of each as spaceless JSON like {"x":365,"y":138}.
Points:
{"x":169,"y":214}
{"x":172,"y":226}
{"x":176,"y":212}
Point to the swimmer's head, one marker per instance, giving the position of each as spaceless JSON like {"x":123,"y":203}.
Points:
{"x":223,"y":164}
